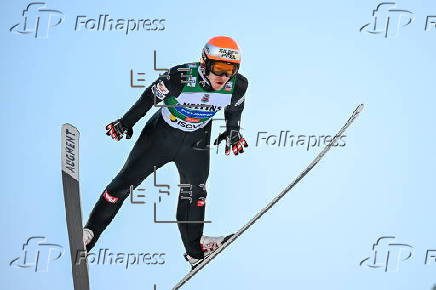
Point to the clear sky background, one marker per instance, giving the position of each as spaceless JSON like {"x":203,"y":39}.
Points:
{"x":308,"y":67}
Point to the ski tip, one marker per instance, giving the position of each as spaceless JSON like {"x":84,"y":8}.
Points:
{"x":70,"y":150}
{"x":359,"y":108}
{"x":70,"y":127}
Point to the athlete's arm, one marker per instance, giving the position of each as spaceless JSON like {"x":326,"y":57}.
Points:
{"x":167,"y":84}
{"x":156,"y":92}
{"x":232,"y":113}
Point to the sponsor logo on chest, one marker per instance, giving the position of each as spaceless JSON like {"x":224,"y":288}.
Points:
{"x":205,"y":98}
{"x":182,"y":124}
{"x":204,"y":101}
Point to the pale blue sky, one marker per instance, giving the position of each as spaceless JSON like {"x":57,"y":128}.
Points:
{"x":308,"y":67}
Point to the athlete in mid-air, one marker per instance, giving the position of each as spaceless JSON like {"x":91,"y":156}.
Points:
{"x":179,"y":132}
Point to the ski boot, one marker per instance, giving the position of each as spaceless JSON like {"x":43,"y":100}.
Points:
{"x":208,"y":246}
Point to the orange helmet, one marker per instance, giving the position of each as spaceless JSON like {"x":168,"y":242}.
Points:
{"x":222,"y":49}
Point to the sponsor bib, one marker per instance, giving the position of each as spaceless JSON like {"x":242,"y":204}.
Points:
{"x":195,"y":107}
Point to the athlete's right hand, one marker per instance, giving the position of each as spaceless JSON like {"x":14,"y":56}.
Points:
{"x":117,"y":130}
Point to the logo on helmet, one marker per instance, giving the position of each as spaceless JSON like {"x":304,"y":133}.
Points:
{"x":228,"y":53}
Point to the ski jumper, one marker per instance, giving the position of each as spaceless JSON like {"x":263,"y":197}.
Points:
{"x":174,"y":134}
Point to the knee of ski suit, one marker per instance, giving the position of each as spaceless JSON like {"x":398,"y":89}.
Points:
{"x":191,"y":197}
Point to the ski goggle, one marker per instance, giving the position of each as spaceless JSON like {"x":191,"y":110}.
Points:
{"x":220,"y":68}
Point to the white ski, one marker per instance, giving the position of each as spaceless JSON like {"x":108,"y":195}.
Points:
{"x":273,"y":202}
{"x":73,"y":209}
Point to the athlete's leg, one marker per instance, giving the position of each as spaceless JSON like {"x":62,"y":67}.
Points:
{"x":148,"y":151}
{"x":193,"y":166}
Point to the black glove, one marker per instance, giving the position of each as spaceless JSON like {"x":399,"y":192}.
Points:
{"x":117,"y":130}
{"x":234,"y":140}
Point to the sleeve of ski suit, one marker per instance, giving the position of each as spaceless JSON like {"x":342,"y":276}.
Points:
{"x":232,"y":112}
{"x":169,"y":83}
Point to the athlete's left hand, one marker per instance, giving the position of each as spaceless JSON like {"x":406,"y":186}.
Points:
{"x":234,"y":142}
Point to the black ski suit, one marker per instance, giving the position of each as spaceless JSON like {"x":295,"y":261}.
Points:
{"x":166,"y":139}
